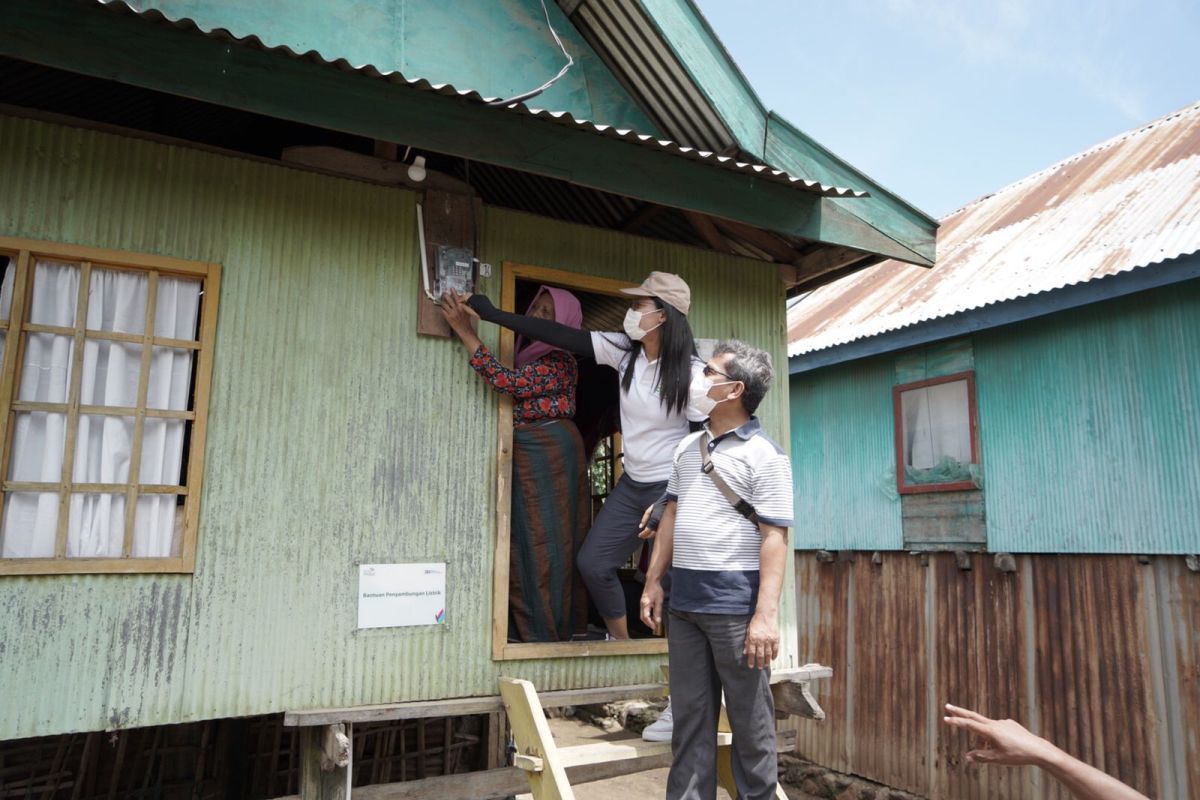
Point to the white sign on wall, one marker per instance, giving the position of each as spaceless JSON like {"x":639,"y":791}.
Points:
{"x":401,"y":595}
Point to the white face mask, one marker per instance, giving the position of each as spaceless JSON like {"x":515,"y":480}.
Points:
{"x":698,"y":394}
{"x":633,"y":324}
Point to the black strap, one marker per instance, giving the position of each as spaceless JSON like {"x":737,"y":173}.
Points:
{"x":570,"y":339}
{"x":710,"y":469}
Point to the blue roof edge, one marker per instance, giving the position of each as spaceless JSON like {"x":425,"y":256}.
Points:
{"x":1152,"y":276}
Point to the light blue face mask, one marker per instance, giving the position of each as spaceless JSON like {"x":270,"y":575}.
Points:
{"x":633,"y":324}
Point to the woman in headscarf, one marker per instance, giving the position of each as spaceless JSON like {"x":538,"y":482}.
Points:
{"x":550,"y":497}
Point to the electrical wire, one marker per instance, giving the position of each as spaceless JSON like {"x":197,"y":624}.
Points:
{"x":535,"y":92}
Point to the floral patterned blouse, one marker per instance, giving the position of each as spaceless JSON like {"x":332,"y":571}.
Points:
{"x":541,"y":390}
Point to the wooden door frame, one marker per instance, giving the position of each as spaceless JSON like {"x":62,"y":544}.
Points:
{"x":502,"y":649}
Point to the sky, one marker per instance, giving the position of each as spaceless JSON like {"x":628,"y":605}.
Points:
{"x":947,"y":101}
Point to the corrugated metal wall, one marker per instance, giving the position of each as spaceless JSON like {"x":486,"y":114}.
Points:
{"x":336,"y":436}
{"x":1090,"y":426}
{"x":844,"y":458}
{"x":1097,"y":653}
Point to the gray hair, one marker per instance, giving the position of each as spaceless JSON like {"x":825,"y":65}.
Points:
{"x":749,"y":365}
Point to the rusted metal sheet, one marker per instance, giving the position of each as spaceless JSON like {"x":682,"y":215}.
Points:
{"x":1099,"y":654}
{"x":1125,"y":204}
{"x":890,"y":686}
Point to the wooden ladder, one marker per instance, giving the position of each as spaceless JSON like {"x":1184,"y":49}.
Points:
{"x":546,"y":764}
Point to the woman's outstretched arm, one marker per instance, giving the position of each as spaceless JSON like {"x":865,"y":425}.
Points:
{"x":570,"y":339}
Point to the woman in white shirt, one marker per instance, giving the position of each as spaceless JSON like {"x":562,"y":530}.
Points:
{"x":656,"y":360}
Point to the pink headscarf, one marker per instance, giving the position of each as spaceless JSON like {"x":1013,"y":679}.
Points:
{"x":567,"y":311}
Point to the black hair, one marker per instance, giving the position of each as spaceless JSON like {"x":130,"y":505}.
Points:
{"x":677,"y":348}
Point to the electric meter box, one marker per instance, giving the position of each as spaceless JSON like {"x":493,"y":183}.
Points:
{"x":454,"y":270}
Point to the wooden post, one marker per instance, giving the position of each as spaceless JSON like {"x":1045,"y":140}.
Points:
{"x":450,"y":221}
{"x":325,"y":768}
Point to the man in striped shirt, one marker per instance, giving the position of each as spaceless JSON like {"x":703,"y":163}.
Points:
{"x":727,"y":567}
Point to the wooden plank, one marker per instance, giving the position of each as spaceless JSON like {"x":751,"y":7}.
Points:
{"x":112,"y":411}
{"x":319,"y":779}
{"x":449,"y":221}
{"x":204,"y":362}
{"x":504,"y":434}
{"x":84,"y":566}
{"x":825,"y":258}
{"x":465,"y":706}
{"x":622,"y":750}
{"x":73,"y":393}
{"x":532,"y":733}
{"x":584,"y":649}
{"x":943,"y":518}
{"x":708,"y":232}
{"x":139,"y":419}
{"x":105,"y":257}
{"x":770,"y":243}
{"x":13,"y":351}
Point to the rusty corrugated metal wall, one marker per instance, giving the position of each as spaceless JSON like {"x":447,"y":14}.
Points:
{"x":336,"y":436}
{"x":1097,"y":653}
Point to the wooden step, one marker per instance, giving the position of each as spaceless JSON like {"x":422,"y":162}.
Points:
{"x":604,"y":752}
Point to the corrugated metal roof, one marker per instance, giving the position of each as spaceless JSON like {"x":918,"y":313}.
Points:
{"x":559,"y":117}
{"x":619,"y":31}
{"x":1125,"y":204}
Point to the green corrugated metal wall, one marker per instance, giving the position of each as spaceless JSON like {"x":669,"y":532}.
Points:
{"x":336,"y":436}
{"x":1089,"y":424}
{"x":1090,"y":427}
{"x":843,"y":458}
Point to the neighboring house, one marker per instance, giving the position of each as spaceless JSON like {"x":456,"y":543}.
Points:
{"x":1033,"y":404}
{"x":223,"y":391}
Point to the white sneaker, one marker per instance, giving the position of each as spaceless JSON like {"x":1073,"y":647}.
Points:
{"x":660,"y":729}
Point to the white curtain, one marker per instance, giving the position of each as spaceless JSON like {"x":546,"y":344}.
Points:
{"x":104,"y":443}
{"x":937,"y":424}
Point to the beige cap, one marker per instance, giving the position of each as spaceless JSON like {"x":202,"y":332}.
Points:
{"x":669,"y":288}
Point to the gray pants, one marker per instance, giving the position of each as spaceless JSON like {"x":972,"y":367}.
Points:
{"x":612,"y":539}
{"x":705,"y":652}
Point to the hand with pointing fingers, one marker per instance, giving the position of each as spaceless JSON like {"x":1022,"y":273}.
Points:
{"x":1007,"y":742}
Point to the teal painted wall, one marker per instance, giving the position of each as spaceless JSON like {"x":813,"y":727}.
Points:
{"x":843,"y":458}
{"x":500,"y":48}
{"x":334,"y":432}
{"x":1089,"y":425}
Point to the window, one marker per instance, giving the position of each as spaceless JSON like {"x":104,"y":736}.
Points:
{"x":606,"y":313}
{"x":105,"y":360}
{"x":936,"y":434}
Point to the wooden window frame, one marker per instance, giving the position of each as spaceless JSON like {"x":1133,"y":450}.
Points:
{"x":898,"y":422}
{"x":502,"y":649}
{"x":24,"y":253}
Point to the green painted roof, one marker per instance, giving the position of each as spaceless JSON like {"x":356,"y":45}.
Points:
{"x":766,"y":135}
{"x":499,"y":49}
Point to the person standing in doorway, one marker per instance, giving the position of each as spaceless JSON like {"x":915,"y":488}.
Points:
{"x":550,"y":497}
{"x":655,"y":357}
{"x":724,"y":536}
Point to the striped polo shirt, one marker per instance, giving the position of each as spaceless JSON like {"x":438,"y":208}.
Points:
{"x":714,"y":569}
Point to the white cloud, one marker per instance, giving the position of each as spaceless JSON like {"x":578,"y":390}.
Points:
{"x":1071,"y":40}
